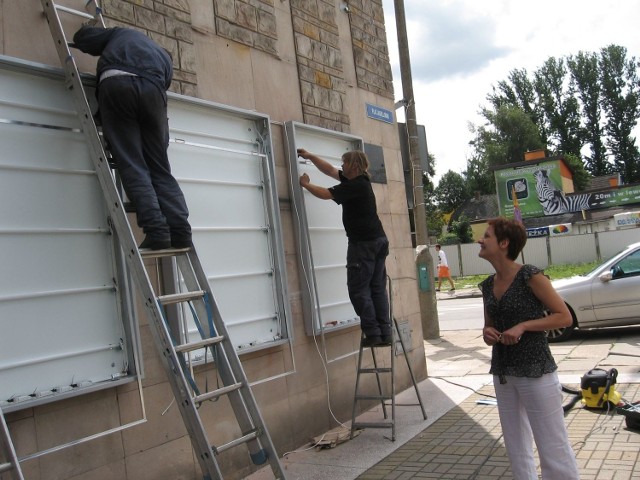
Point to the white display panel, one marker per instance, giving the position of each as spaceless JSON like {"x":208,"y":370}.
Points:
{"x":61,"y":327}
{"x":221,"y":158}
{"x":320,"y":233}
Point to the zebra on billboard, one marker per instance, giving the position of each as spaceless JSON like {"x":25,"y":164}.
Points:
{"x":553,"y":200}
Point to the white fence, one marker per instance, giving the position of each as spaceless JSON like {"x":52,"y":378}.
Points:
{"x":543,"y":251}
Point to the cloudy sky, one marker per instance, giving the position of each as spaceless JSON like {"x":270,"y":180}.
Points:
{"x":460,"y":48}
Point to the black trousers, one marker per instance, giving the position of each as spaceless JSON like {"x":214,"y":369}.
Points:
{"x":366,"y":282}
{"x":134,"y":121}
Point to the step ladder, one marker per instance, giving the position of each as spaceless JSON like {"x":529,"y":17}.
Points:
{"x":10,"y":463}
{"x":198,"y":297}
{"x":378,"y":371}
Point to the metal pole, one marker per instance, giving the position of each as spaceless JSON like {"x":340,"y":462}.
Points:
{"x":419,"y":214}
{"x":426,"y":292}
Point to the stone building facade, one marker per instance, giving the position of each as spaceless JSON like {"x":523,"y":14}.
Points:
{"x":309,"y":61}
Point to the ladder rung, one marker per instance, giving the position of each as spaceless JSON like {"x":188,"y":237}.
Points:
{"x":373,"y":397}
{"x":375,"y":370}
{"x":190,"y":347}
{"x":166,"y":252}
{"x":217,"y":393}
{"x":6,"y":467}
{"x":388,"y":424}
{"x":73,"y":11}
{"x":238,"y":441}
{"x":180,"y":297}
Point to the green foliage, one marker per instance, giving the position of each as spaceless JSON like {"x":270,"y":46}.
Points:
{"x":448,"y":239}
{"x":585,"y":74}
{"x":559,"y":107}
{"x":580,"y":174}
{"x":462,"y":229}
{"x":459,"y":232}
{"x":510,"y":133}
{"x":587,"y":100}
{"x":451,"y":191}
{"x":435,"y":220}
{"x":555,"y":272}
{"x":621,"y":99}
{"x":478,"y":176}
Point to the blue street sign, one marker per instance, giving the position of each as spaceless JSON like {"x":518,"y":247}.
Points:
{"x":379,"y":113}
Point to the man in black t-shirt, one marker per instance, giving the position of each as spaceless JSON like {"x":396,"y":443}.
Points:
{"x":368,"y":245}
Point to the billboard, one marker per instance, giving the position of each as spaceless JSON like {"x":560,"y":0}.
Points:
{"x":536,"y":191}
{"x":549,"y":230}
{"x":521,"y":182}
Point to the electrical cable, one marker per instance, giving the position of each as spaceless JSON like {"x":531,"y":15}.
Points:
{"x":297,"y":214}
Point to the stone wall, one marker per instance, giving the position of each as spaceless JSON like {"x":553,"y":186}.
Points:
{"x":250,"y":22}
{"x":168,"y":22}
{"x":370,"y":49}
{"x":319,"y":58}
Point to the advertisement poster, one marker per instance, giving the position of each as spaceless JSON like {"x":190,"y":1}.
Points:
{"x":522,"y":181}
{"x":627,"y":219}
{"x":536,"y":191}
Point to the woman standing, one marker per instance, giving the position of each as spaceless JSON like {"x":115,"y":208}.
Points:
{"x":527,"y":388}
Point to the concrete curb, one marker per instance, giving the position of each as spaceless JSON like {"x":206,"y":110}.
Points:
{"x":459,"y":293}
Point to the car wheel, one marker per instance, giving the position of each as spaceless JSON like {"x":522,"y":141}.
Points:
{"x":559,"y":334}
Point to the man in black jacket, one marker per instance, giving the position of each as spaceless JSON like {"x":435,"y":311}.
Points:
{"x":134,"y":74}
{"x":368,"y":246}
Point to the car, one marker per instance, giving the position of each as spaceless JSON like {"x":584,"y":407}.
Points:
{"x":608,"y":296}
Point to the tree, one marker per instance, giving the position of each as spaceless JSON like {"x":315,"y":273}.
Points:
{"x":585,"y":73}
{"x":509,"y":133}
{"x":580,"y":174}
{"x":478,"y":176}
{"x":451,"y":191}
{"x":462,"y":229}
{"x":519,"y":92}
{"x":589,"y":100}
{"x":621,"y":103}
{"x":559,"y":106}
{"x":458,"y":232}
{"x":435,"y":220}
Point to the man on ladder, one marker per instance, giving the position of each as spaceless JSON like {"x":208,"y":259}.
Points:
{"x":134,"y":73}
{"x":368,"y":244}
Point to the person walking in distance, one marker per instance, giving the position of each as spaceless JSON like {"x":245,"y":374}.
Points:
{"x":134,"y":74}
{"x":368,"y":245}
{"x":519,"y":305}
{"x":443,"y":269}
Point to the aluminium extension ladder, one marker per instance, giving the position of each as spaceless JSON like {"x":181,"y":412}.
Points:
{"x":198,"y":297}
{"x":381,"y":396}
{"x":10,"y":463}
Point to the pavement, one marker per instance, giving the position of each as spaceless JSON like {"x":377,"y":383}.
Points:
{"x":461,"y":437}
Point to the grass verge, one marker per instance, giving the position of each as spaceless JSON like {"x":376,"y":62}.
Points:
{"x":555,"y":272}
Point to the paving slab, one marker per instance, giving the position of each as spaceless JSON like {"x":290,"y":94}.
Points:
{"x":462,"y":437}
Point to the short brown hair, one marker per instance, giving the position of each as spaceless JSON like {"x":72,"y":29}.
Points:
{"x":359,"y":159}
{"x":512,"y":230}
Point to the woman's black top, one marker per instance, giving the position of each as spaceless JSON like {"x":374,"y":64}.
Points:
{"x":531,"y":356}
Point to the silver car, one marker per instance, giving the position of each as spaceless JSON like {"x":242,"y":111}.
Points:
{"x":608,"y":296}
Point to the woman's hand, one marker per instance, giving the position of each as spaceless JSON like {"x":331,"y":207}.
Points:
{"x":491,"y":336}
{"x":513,"y":335}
